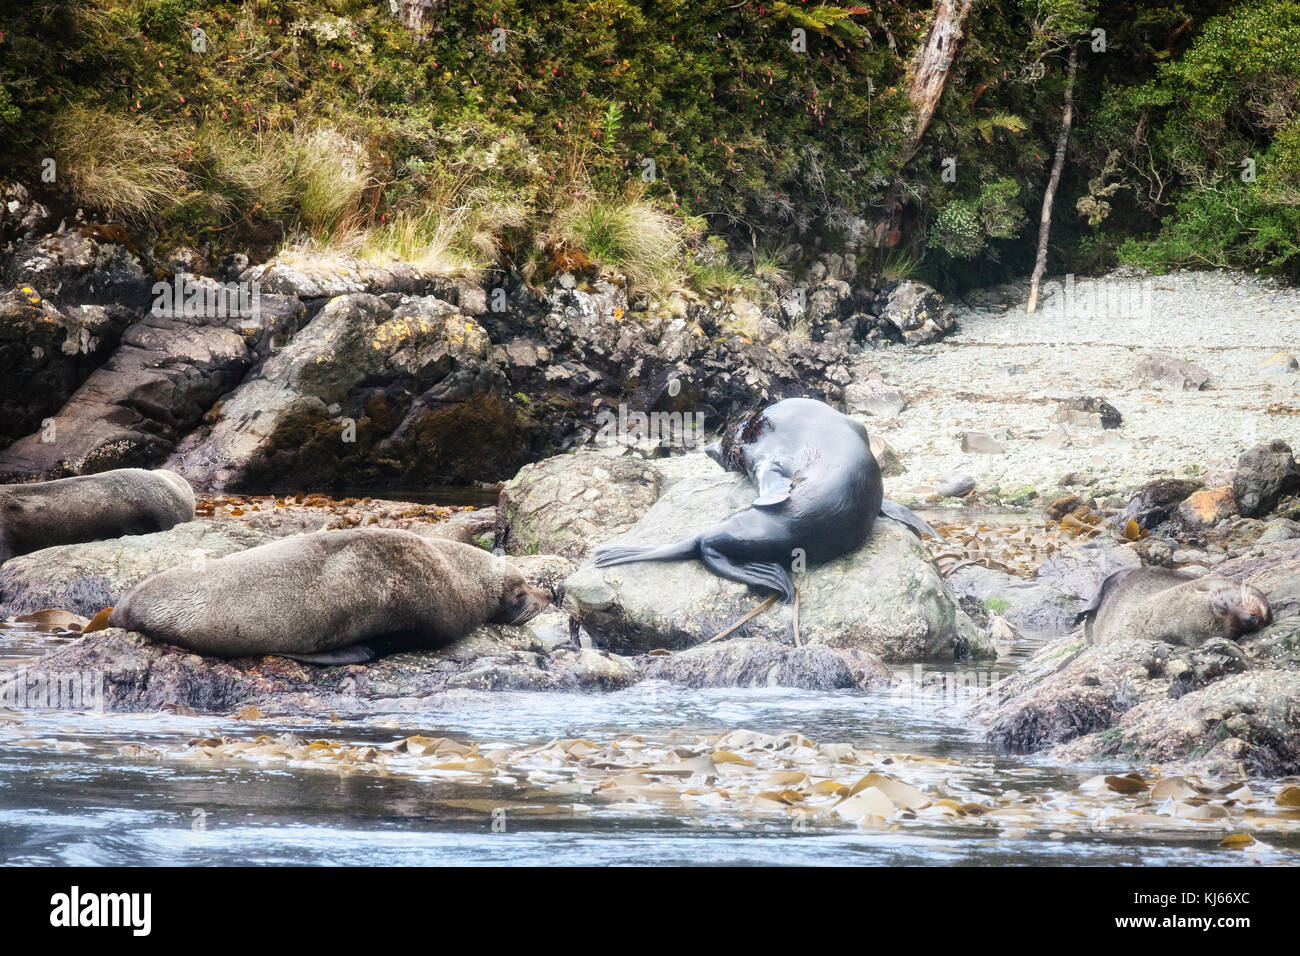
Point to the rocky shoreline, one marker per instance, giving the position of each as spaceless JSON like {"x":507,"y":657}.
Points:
{"x":359,"y":375}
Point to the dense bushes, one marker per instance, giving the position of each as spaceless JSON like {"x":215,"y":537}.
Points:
{"x":508,"y":126}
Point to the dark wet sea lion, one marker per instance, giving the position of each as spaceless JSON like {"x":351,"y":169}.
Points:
{"x":314,"y":595}
{"x":1158,"y":604}
{"x":91,"y":508}
{"x":819,"y":493}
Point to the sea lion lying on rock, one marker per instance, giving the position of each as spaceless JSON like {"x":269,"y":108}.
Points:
{"x":313,"y":597}
{"x":1158,"y":604}
{"x":819,"y":494}
{"x":91,"y":508}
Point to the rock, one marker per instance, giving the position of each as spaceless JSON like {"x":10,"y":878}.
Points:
{"x":324,"y":276}
{"x":1156,"y":502}
{"x":365,"y":394}
{"x":45,"y":353}
{"x":1069,"y":689}
{"x":85,"y":578}
{"x":1264,"y":474}
{"x":142,"y":676}
{"x":873,"y":397}
{"x":754,"y":662}
{"x":87,"y":264}
{"x":568,"y":504}
{"x":1056,"y":438}
{"x":1246,"y":722}
{"x":1087,"y":411}
{"x":1079,"y":571}
{"x":890,"y":462}
{"x":169,"y":369}
{"x":1062,"y":506}
{"x":887,"y":598}
{"x":954,"y":484}
{"x":1280,"y":363}
{"x":1202,"y":510}
{"x":979,"y":443}
{"x":918,"y":312}
{"x":1027,"y":604}
{"x":1166,"y":371}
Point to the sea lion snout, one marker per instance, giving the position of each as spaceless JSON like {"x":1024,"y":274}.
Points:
{"x":1245,"y":609}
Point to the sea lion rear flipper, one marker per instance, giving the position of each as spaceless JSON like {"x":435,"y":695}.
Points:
{"x":623,"y":553}
{"x":352,"y":654}
{"x":762,"y":574}
{"x":892,"y":509}
{"x":1108,"y":586}
{"x":773,"y":486}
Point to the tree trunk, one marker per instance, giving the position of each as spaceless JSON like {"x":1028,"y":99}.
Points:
{"x":1058,"y":161}
{"x":934,"y":65}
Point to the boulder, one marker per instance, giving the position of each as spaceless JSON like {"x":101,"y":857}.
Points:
{"x":873,"y":397}
{"x":979,"y":443}
{"x":566,"y":505}
{"x":887,"y":598}
{"x":918,"y":312}
{"x":1202,"y":510}
{"x":755,"y":662}
{"x":168,"y":371}
{"x":1079,"y":571}
{"x":365,"y":394}
{"x":1264,"y":474}
{"x":87,"y":264}
{"x":323,"y":276}
{"x":1166,"y":371}
{"x":45,"y":353}
{"x":85,"y":578}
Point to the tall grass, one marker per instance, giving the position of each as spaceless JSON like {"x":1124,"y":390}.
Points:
{"x":129,"y":166}
{"x":629,"y":234}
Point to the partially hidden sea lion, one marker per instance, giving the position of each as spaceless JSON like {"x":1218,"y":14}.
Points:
{"x":91,"y":508}
{"x":315,"y":596}
{"x":1158,"y":604}
{"x":819,"y":494}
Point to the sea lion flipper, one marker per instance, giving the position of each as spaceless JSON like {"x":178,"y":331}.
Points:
{"x":623,"y":553}
{"x":352,"y":654}
{"x":892,"y":509}
{"x":761,"y":574}
{"x":773,"y":486}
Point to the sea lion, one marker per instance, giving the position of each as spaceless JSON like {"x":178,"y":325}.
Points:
{"x":314,"y":596}
{"x":819,"y":494}
{"x":91,"y":508}
{"x":1158,"y":604}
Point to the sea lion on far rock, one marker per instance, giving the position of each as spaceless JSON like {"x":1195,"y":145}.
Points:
{"x":91,"y":508}
{"x":1158,"y":604}
{"x":819,"y":494}
{"x":314,"y":596}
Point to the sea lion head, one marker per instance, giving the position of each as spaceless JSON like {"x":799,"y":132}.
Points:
{"x":1242,"y":608}
{"x":521,"y":602}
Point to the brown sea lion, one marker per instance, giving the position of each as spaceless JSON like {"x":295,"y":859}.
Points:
{"x":91,"y":508}
{"x":1158,"y":604}
{"x":315,"y":596}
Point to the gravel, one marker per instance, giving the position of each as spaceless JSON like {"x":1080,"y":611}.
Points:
{"x":1003,"y":374}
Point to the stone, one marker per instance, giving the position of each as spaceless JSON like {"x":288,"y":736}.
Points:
{"x":1280,"y":363}
{"x":755,"y":662}
{"x":918,"y":312}
{"x":980,"y":443}
{"x":1166,"y":371}
{"x":1264,"y":474}
{"x":954,"y":484}
{"x":873,"y":397}
{"x":1087,"y":411}
{"x":1202,"y":510}
{"x":1156,"y":502}
{"x":547,"y":507}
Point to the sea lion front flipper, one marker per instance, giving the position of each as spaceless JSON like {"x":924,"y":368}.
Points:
{"x":761,"y":574}
{"x":773,"y":486}
{"x":352,"y":654}
{"x":892,"y":509}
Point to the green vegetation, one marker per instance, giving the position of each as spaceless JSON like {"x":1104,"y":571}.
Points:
{"x":630,"y":132}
